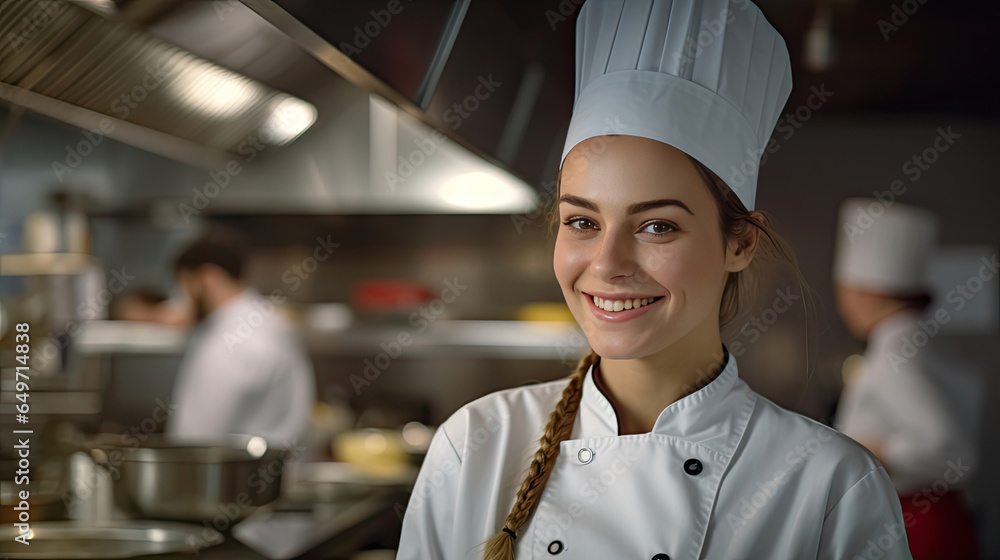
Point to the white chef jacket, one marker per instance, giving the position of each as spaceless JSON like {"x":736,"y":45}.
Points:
{"x":922,"y":404}
{"x":725,"y":474}
{"x":245,"y":372}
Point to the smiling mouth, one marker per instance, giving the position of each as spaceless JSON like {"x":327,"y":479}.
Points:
{"x":618,"y":305}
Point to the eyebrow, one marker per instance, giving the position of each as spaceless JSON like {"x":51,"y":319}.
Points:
{"x":636,"y":208}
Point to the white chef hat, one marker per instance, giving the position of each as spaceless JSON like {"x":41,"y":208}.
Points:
{"x":884,"y":247}
{"x":708,"y":77}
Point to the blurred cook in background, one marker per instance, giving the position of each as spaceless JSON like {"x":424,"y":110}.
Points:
{"x":245,"y":371}
{"x":914,"y":406}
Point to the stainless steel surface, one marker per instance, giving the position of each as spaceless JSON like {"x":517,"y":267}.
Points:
{"x":167,"y":479}
{"x":287,"y":535}
{"x":121,"y":540}
{"x":326,"y":482}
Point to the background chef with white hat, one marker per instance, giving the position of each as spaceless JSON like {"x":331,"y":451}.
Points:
{"x":654,"y":447}
{"x":914,"y":406}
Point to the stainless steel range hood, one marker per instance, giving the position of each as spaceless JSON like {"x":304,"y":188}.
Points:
{"x":71,"y":63}
{"x":203,"y":89}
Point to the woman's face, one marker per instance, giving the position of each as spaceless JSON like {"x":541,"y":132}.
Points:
{"x":637,"y":222}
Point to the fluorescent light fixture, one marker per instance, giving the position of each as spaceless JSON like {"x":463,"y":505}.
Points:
{"x":213,"y":91}
{"x":486,"y":190}
{"x":106,"y":8}
{"x":290,"y":117}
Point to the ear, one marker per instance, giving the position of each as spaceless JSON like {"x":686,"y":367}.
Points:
{"x":212,"y":276}
{"x":741,"y":250}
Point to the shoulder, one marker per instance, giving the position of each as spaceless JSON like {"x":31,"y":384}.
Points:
{"x":509,"y":418}
{"x":823,"y":459}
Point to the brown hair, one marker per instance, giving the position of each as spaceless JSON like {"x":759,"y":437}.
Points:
{"x":220,"y":247}
{"x":741,"y":293}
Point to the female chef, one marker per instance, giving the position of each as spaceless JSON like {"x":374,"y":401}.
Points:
{"x":915,"y":406}
{"x":654,"y":447}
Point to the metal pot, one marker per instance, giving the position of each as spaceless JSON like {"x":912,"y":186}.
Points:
{"x":223,"y":479}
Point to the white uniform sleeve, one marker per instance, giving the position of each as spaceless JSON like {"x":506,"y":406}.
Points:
{"x":856,"y":527}
{"x":430,"y":514}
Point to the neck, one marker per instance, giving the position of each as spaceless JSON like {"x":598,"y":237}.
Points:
{"x":640,"y":388}
{"x":223,"y":296}
{"x":888,"y":311}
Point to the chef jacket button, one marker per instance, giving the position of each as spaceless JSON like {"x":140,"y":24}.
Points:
{"x":585,"y":456}
{"x":555,"y":547}
{"x":661,"y":556}
{"x":692,"y":467}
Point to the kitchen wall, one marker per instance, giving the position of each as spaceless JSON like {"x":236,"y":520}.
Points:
{"x":505,"y":260}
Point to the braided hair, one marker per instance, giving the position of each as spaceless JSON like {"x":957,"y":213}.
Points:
{"x":501,"y":545}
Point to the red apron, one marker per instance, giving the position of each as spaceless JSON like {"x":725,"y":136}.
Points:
{"x":939,"y":527}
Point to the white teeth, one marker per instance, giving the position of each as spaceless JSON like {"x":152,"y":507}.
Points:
{"x":621,"y":305}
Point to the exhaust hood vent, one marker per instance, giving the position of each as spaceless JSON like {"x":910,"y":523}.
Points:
{"x":70,"y":63}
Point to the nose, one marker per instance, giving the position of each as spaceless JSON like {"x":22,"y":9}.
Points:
{"x":614,"y":257}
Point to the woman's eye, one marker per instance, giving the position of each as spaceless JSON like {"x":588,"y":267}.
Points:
{"x":580,"y":223}
{"x":658,"y":228}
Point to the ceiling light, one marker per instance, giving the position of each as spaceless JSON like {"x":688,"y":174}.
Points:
{"x":213,"y":91}
{"x":484,"y":190}
{"x":289,"y":118}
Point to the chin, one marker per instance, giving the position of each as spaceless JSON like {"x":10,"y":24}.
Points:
{"x":620,"y":346}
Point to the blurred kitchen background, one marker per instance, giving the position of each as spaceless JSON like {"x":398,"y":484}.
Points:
{"x":419,"y":143}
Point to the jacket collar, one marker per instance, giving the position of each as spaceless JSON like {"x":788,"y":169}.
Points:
{"x":713,"y":416}
{"x":235,"y":308}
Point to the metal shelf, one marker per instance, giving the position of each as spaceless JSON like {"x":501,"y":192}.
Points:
{"x":36,"y":264}
{"x":519,"y":340}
